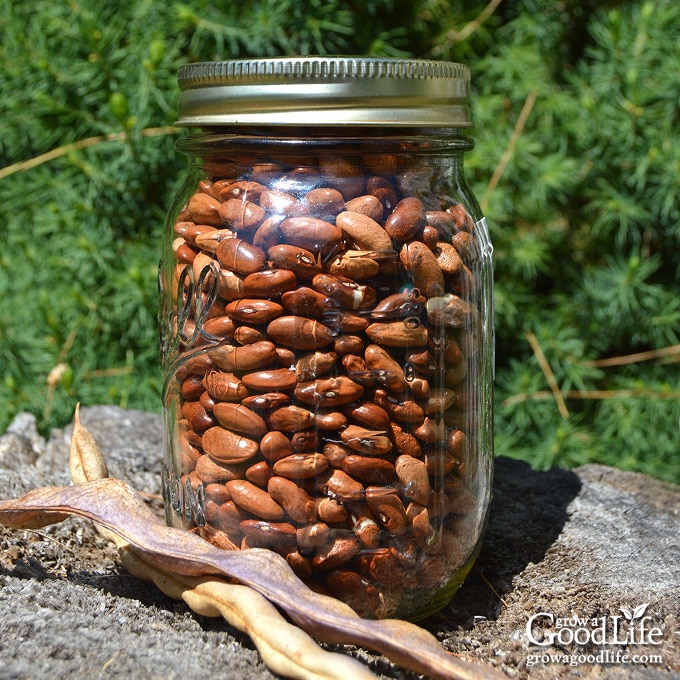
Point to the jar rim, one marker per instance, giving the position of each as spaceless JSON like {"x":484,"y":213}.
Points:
{"x":325,"y":91}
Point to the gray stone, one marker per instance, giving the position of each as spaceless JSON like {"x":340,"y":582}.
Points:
{"x":594,"y":543}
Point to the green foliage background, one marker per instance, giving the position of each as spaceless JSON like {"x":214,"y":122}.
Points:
{"x":577,"y":163}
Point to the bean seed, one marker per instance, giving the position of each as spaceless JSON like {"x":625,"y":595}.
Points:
{"x":227,"y":447}
{"x":254,"y":500}
{"x":297,"y":503}
{"x":239,"y":418}
{"x":311,"y":233}
{"x":301,"y":465}
{"x":240,"y":256}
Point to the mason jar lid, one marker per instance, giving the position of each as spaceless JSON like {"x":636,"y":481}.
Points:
{"x":320,"y":91}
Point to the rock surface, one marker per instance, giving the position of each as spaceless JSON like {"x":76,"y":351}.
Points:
{"x":594,"y":543}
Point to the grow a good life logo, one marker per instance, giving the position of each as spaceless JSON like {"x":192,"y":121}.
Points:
{"x":617,"y":639}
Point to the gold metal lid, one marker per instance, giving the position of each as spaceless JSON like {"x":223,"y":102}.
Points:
{"x":321,"y":91}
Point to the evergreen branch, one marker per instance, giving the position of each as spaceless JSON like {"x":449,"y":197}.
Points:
{"x":549,"y":375}
{"x":453,"y":36}
{"x":672,"y":351}
{"x":509,"y":149}
{"x":81,"y":144}
{"x":593,"y":395}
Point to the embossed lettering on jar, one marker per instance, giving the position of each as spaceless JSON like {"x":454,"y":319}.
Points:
{"x":326,"y":326}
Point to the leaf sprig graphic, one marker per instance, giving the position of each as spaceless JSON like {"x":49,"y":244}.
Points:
{"x":637,"y":613}
{"x":186,"y":567}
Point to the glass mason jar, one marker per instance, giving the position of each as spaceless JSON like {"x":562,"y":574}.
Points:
{"x":326,"y":325}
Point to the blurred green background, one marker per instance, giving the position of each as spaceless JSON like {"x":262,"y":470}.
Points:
{"x":576,"y":164}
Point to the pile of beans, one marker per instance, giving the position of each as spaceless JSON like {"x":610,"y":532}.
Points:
{"x":327,"y":402}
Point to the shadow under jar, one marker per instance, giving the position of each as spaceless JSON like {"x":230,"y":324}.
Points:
{"x":326,"y":326}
